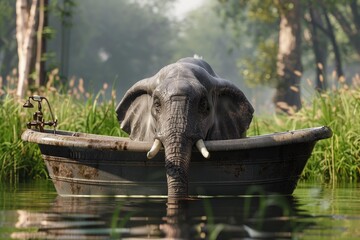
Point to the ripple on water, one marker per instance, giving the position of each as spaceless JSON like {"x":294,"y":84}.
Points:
{"x":34,"y":210}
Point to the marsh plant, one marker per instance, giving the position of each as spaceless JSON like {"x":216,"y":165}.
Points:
{"x":75,"y":109}
{"x":337,"y":158}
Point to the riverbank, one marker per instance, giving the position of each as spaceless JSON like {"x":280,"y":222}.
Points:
{"x":335,"y":159}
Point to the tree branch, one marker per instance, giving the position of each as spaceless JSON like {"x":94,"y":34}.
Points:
{"x":320,"y":63}
{"x":345,"y":25}
{"x":338,"y":62}
{"x":355,"y":12}
{"x":318,"y":25}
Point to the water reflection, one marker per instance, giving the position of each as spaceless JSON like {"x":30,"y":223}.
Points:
{"x":212,"y":218}
{"x":38,"y":213}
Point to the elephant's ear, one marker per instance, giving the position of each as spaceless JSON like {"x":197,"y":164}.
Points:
{"x":233,"y":112}
{"x":134,"y":111}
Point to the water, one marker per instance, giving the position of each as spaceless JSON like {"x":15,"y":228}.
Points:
{"x":34,"y":211}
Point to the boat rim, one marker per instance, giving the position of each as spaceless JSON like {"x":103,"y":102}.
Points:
{"x":103,"y":142}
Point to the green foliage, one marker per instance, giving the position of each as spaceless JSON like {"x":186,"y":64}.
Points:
{"x":255,"y":25}
{"x":75,"y":112}
{"x":337,"y":158}
{"x":95,"y":115}
{"x":258,"y":10}
{"x":17,"y":159}
{"x":200,"y":37}
{"x":261,"y":69}
{"x":8,"y":49}
{"x":258,"y":21}
{"x":333,"y":159}
{"x":6,"y":14}
{"x":117,"y":40}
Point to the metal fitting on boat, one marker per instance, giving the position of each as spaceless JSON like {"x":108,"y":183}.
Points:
{"x":38,"y":121}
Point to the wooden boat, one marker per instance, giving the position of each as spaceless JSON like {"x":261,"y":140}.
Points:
{"x":96,"y":165}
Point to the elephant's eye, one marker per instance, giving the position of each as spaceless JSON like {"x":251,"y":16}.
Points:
{"x":156,"y":105}
{"x":204,"y":106}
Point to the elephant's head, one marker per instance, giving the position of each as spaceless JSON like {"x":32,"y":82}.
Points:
{"x":182,"y":105}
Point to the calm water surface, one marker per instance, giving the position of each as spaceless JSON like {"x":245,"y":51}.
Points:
{"x":34,"y":211}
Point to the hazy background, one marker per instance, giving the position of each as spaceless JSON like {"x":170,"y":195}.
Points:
{"x":119,"y":42}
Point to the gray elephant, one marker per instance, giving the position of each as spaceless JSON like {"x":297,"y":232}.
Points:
{"x":179,"y":107}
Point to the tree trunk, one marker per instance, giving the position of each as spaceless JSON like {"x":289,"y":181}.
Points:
{"x":353,"y":34}
{"x":331,"y":34}
{"x":41,"y":45}
{"x":65,"y":39}
{"x":289,"y":67}
{"x":25,"y":29}
{"x":319,"y":50}
{"x":355,"y":12}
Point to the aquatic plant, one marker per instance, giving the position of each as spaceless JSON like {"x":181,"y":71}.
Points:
{"x":337,"y":158}
{"x":75,"y":109}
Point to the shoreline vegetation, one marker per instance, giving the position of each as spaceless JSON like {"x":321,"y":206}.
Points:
{"x":333,"y":160}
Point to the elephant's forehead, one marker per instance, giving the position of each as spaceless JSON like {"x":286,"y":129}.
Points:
{"x":182,"y":86}
{"x":177,"y":79}
{"x":176,"y":69}
{"x":177,"y":86}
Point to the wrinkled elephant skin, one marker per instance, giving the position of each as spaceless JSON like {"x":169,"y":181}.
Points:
{"x":179,"y":107}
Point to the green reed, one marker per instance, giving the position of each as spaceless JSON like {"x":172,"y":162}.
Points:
{"x":337,"y":158}
{"x":75,"y":110}
{"x":17,"y":159}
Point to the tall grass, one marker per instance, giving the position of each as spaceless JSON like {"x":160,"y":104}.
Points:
{"x":337,"y":158}
{"x":75,"y":110}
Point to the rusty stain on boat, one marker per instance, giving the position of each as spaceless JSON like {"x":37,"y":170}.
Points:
{"x":88,"y":172}
{"x":75,"y":188}
{"x":121,"y":145}
{"x":60,"y":169}
{"x":65,"y":171}
{"x":55,"y":169}
{"x":89,"y":164}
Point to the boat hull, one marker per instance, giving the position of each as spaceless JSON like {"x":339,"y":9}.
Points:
{"x":94,"y":165}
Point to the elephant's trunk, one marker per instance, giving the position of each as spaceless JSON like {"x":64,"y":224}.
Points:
{"x":178,"y":146}
{"x":178,"y":135}
{"x":177,"y":159}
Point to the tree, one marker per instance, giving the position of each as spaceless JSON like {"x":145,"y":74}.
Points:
{"x":320,"y":52}
{"x":117,"y":41}
{"x":8,"y":56}
{"x":19,"y":45}
{"x":277,"y":60}
{"x":25,"y":30}
{"x":345,"y":16}
{"x":255,"y":26}
{"x":320,"y":16}
{"x":349,"y":22}
{"x":289,"y":67}
{"x":40,"y":71}
{"x":210,"y":40}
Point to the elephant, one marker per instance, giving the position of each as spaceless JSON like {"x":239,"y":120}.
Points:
{"x":179,"y":107}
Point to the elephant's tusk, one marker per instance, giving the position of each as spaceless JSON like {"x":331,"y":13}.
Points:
{"x":201,"y":147}
{"x":154,"y":149}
